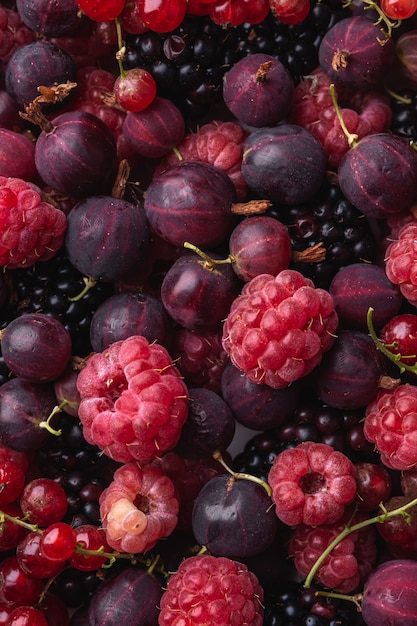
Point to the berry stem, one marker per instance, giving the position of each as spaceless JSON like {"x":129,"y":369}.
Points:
{"x":209,"y":262}
{"x":382,"y":19}
{"x":378,"y":519}
{"x":120,"y":54}
{"x":351,"y":137}
{"x":395,"y":358}
{"x":47,"y":423}
{"x":89,"y":282}
{"x":217,"y":455}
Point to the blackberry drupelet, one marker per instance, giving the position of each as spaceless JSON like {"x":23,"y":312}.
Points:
{"x":293,"y":605}
{"x":327,"y":234}
{"x":312,"y":420}
{"x":47,"y":288}
{"x":404,"y":114}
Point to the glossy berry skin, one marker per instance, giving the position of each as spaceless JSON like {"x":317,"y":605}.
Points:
{"x":399,"y":335}
{"x":259,"y":245}
{"x":373,"y":485}
{"x":44,"y":501}
{"x":12,"y":481}
{"x":33,"y":562}
{"x":311,"y":484}
{"x":258,"y":90}
{"x":26,"y":616}
{"x":196,"y":293}
{"x":399,"y":9}
{"x":284,"y":164}
{"x":76,"y":154}
{"x":53,"y":20}
{"x":351,"y":54}
{"x":359,"y":286}
{"x":58,"y":542}
{"x":132,"y":595}
{"x":101,"y":228}
{"x":162,"y":17}
{"x":17,"y":587}
{"x":101,"y":11}
{"x":89,"y":537}
{"x":223,"y":522}
{"x":36,"y":347}
{"x":379,"y":175}
{"x":136,"y":90}
{"x":391,"y":581}
{"x":290,"y":11}
{"x":191,"y":201}
{"x":41,"y":63}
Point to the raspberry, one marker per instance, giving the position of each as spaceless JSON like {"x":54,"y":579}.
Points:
{"x":278,"y":328}
{"x":138,"y":508}
{"x":348,"y":565}
{"x":214,"y":591}
{"x":13,"y":33}
{"x":391,"y":424}
{"x":199,"y":356}
{"x":133,"y":400}
{"x":217,"y":143}
{"x":400,"y":262}
{"x":31,"y":230}
{"x":364,"y":113}
{"x":311,"y":484}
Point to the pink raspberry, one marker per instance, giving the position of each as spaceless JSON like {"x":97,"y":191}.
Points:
{"x":363,"y":113}
{"x":217,"y":143}
{"x":214,"y":591}
{"x":31,"y":230}
{"x":278,"y":328}
{"x":138,"y":508}
{"x":391,"y":424}
{"x":401,"y":262}
{"x":133,"y":400}
{"x":311,"y":484}
{"x":13,"y":33}
{"x":348,"y":565}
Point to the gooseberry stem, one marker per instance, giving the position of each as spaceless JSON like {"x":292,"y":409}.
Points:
{"x":351,"y":137}
{"x":241,"y":475}
{"x":378,"y":519}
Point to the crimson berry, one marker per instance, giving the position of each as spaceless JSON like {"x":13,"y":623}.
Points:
{"x":44,"y":501}
{"x":12,"y":481}
{"x":26,"y":616}
{"x":32,"y":561}
{"x":290,"y":11}
{"x":400,"y":337}
{"x":136,"y":90}
{"x":89,"y":537}
{"x":162,"y":16}
{"x":17,"y":587}
{"x":101,"y":10}
{"x":399,"y":9}
{"x":58,"y":542}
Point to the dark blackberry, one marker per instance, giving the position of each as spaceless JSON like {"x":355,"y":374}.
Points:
{"x":187,"y":63}
{"x":79,"y":467}
{"x":295,"y":45}
{"x":312,"y":420}
{"x":293,"y":605}
{"x":404,"y":114}
{"x":327,"y":234}
{"x":47,"y":288}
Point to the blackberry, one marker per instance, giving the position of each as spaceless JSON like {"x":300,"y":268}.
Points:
{"x":312,"y":420}
{"x":404,"y":114}
{"x":47,"y":288}
{"x":293,"y":605}
{"x":326,"y":234}
{"x":79,"y":467}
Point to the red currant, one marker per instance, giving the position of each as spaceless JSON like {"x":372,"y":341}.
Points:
{"x":101,"y":10}
{"x":58,"y":542}
{"x":26,"y":616}
{"x":135,"y":90}
{"x":227,"y":12}
{"x":161,"y":16}
{"x":44,"y":501}
{"x":290,"y":11}
{"x":91,"y":538}
{"x":17,"y":587}
{"x":12,"y":481}
{"x":399,"y":336}
{"x":399,"y":9}
{"x":32,"y":561}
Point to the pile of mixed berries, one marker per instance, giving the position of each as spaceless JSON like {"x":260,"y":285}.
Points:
{"x":208,"y":324}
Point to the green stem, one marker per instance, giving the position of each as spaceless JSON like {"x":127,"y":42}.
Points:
{"x":210,"y":263}
{"x":89,"y":282}
{"x":378,"y":519}
{"x":120,"y":54}
{"x":382,"y":19}
{"x":395,"y":358}
{"x":242,"y":475}
{"x":19,"y":522}
{"x":46,"y":423}
{"x":351,"y":137}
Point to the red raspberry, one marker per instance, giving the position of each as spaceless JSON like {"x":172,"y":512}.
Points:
{"x":31,"y":230}
{"x":364,"y":113}
{"x":278,"y":328}
{"x":200,"y":357}
{"x":218,"y":143}
{"x":401,"y":262}
{"x":348,"y":565}
{"x":133,"y":400}
{"x":214,"y":591}
{"x":138,"y":508}
{"x":13,"y":33}
{"x":391,"y":424}
{"x":311,"y":484}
